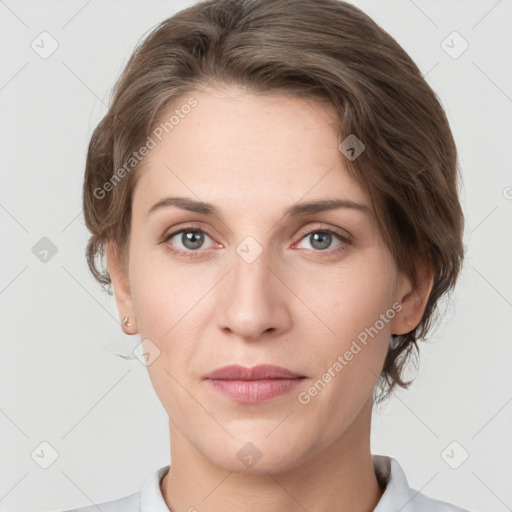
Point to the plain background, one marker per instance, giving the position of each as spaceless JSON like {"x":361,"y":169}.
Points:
{"x":61,"y":383}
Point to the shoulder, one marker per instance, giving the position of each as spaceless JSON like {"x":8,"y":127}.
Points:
{"x":399,"y":496}
{"x":149,"y":499}
{"x":126,"y":504}
{"x":423,"y":503}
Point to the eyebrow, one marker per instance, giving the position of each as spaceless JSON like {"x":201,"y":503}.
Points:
{"x":297,"y":210}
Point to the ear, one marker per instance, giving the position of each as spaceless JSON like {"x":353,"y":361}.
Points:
{"x":121,"y":286}
{"x":413,"y":300}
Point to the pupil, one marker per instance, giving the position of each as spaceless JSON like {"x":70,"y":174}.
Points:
{"x":326,"y":237}
{"x":192,"y":239}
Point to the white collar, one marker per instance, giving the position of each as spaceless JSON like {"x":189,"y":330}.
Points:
{"x":151,"y":499}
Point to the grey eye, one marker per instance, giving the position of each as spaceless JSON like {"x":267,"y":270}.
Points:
{"x":320,"y":240}
{"x":192,"y":239}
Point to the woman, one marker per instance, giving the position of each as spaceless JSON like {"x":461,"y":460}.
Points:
{"x":274,"y":188}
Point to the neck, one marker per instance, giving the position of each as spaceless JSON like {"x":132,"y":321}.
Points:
{"x":338,"y":478}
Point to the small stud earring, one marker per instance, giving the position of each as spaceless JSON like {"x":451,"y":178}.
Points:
{"x":125,"y":322}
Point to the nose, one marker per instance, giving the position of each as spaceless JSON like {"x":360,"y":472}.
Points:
{"x":253,"y":298}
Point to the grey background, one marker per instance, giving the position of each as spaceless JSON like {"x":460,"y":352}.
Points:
{"x":59,"y":381}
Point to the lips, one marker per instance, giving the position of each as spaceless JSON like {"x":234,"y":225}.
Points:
{"x":259,"y":372}
{"x":253,"y":385}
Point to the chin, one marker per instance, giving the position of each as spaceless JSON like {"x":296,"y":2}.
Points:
{"x":260,"y":456}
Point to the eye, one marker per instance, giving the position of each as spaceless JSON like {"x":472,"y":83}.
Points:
{"x":321,"y":239}
{"x":191,"y":240}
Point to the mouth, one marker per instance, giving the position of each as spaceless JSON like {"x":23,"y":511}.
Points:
{"x":253,"y":385}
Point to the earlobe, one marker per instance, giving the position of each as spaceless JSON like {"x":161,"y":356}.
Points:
{"x":121,"y":288}
{"x":413,"y":301}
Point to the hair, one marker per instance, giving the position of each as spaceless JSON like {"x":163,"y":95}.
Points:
{"x":322,"y":50}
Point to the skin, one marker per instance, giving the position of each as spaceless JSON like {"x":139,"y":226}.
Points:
{"x":296,"y":305}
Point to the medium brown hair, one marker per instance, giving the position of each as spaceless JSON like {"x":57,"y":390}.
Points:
{"x":325,"y":50}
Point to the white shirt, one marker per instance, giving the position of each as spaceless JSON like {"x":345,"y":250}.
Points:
{"x":397,"y":497}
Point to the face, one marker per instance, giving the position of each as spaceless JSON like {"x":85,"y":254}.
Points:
{"x":312,"y":290}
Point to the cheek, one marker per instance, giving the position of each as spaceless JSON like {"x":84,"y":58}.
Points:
{"x":355,"y":308}
{"x":348,"y":363}
{"x":161,"y":291}
{"x":350,"y":299}
{"x":165,"y":308}
{"x":172,"y":305}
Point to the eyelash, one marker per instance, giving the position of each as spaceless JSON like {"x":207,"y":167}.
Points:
{"x":197,"y":253}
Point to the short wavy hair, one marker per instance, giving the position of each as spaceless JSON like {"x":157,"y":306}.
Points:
{"x":323,"y":50}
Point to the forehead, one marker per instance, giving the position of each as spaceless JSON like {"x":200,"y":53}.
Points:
{"x":257,"y":149}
